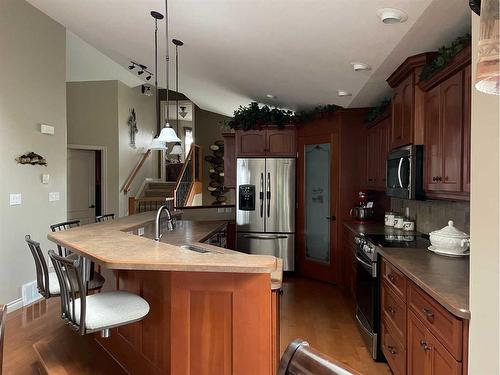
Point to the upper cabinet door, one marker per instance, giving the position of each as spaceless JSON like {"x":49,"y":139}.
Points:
{"x":371,"y":155}
{"x":281,"y":142}
{"x":383,"y":139}
{"x":466,"y":123}
{"x":433,"y":158}
{"x":452,"y":130}
{"x":402,"y":114}
{"x":250,"y":143}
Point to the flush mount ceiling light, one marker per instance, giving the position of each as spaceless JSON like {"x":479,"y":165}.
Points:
{"x":343,"y":93}
{"x":183,"y":111}
{"x":359,"y":66}
{"x":270,"y":96}
{"x":391,"y":16}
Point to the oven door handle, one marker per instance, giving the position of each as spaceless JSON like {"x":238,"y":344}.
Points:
{"x":368,"y":266}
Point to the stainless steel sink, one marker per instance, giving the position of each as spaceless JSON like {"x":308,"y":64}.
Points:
{"x":198,"y":249}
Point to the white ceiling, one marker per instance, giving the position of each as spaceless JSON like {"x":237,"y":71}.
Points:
{"x":237,"y":51}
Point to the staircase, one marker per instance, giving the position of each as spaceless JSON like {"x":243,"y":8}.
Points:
{"x":159,"y":189}
{"x":151,"y":196}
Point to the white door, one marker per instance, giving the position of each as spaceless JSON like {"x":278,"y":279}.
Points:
{"x":81,"y":185}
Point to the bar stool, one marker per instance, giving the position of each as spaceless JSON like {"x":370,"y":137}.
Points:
{"x":106,"y":217}
{"x":64,"y":226}
{"x":300,"y":359}
{"x":97,"y":312}
{"x":3,"y":322}
{"x":47,"y":283}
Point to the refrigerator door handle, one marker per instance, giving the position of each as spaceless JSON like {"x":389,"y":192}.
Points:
{"x":261,"y":195}
{"x":268,"y":194}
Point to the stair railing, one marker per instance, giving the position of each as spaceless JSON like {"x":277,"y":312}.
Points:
{"x":189,"y":176}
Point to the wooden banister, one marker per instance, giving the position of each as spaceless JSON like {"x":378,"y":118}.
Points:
{"x":193,"y":157}
{"x":135,"y":171}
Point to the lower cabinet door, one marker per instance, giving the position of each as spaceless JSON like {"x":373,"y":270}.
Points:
{"x":417,"y":346}
{"x":426,"y":355}
{"x":393,"y":351}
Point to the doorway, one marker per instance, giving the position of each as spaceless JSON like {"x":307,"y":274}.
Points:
{"x":317,"y":206}
{"x":85,"y":183}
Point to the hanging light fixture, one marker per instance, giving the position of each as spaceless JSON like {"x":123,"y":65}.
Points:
{"x":488,"y":62}
{"x":178,"y":43}
{"x":167,"y":134}
{"x":158,"y":145}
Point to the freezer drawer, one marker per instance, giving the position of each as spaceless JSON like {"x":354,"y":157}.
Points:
{"x":281,"y":245}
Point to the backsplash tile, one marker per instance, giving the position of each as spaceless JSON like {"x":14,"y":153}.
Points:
{"x":431,"y":215}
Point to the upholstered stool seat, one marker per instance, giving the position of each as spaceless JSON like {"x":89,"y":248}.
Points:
{"x":111,"y":309}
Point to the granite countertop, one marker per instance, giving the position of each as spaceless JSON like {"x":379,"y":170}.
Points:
{"x":114,"y":245}
{"x":446,"y":279}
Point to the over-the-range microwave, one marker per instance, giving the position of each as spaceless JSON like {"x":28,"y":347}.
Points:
{"x":405,"y":172}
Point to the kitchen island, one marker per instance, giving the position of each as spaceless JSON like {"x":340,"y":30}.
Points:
{"x":210,"y":313}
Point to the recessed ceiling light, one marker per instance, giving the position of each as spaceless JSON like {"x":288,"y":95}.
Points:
{"x":271,"y":96}
{"x":343,"y":93}
{"x":391,"y":16}
{"x":359,"y":66}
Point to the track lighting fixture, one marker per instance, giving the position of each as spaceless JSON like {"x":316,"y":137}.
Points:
{"x":140,"y":72}
{"x":141,"y":69}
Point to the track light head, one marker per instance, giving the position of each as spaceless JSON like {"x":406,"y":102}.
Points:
{"x":140,"y":72}
{"x":148,"y":78}
{"x":131,"y":66}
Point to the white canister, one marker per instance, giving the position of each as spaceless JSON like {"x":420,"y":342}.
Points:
{"x":389,"y":219}
{"x":408,"y":225}
{"x":398,"y":221}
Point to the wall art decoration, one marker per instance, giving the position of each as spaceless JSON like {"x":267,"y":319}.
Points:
{"x":132,"y":123}
{"x":32,"y":159}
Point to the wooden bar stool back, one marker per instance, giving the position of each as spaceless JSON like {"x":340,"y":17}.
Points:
{"x":3,"y":322}
{"x":106,"y":217}
{"x":300,"y":359}
{"x":64,"y":226}
{"x":97,"y":312}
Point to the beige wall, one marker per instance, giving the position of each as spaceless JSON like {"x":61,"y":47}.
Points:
{"x":93,"y":120}
{"x":207,"y":132}
{"x":129,"y":98}
{"x":484,"y":260}
{"x":98,"y":112}
{"x":33,"y":91}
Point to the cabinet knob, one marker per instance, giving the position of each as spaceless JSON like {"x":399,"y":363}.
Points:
{"x":391,"y":310}
{"x":439,"y":178}
{"x":424,"y":345}
{"x":428,"y":313}
{"x":392,"y":350}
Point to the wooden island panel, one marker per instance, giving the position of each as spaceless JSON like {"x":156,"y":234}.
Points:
{"x":199,"y":323}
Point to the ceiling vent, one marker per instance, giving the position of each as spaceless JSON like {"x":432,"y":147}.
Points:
{"x":391,"y":16}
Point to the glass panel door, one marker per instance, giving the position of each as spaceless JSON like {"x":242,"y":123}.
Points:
{"x":317,"y":202}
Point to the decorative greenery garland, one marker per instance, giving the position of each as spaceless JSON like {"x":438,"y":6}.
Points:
{"x":444,"y":56}
{"x":253,"y":116}
{"x":378,"y":111}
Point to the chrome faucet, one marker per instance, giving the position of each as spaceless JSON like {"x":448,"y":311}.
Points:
{"x":170,"y":222}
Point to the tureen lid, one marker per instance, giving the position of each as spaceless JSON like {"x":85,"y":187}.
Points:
{"x":450,"y":231}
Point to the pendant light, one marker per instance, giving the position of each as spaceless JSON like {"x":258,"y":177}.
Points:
{"x":158,"y":145}
{"x":167,"y":134}
{"x":488,"y":62}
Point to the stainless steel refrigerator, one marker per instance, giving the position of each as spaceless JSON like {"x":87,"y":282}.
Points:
{"x":265,"y":216}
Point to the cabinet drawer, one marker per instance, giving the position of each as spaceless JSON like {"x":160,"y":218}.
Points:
{"x":393,"y":351}
{"x":394,"y":311}
{"x":394,"y":278}
{"x":443,"y":325}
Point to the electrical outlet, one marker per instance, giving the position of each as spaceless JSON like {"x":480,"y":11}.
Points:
{"x":140,"y":231}
{"x":54,"y":196}
{"x":45,"y":178}
{"x":16,"y":199}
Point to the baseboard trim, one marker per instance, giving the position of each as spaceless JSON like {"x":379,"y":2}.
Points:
{"x":14,"y":305}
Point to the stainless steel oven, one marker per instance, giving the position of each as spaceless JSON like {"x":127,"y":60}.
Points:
{"x":405,"y":172}
{"x":368,"y":295}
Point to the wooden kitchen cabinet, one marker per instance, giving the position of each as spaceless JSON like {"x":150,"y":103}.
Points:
{"x":229,"y":160}
{"x":447,"y":104}
{"x":426,"y":355}
{"x":377,"y":147}
{"x":266,"y":142}
{"x":414,"y":323}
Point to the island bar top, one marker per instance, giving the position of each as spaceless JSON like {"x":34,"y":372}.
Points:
{"x":112,"y":244}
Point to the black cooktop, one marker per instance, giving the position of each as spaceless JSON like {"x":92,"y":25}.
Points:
{"x":405,"y":240}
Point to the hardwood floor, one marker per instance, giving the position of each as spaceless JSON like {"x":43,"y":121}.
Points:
{"x":317,"y":312}
{"x":322,"y":315}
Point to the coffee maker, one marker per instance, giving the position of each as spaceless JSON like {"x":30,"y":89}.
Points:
{"x":363,"y":212}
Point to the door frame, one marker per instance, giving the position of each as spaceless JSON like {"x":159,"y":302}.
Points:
{"x":317,"y":270}
{"x":104,"y":172}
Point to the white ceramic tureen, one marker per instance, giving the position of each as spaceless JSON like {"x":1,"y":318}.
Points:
{"x":450,"y":240}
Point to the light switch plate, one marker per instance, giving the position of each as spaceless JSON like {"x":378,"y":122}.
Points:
{"x":47,"y":129}
{"x":16,"y":199}
{"x":54,"y":196}
{"x":45,"y":178}
{"x":140,"y":231}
